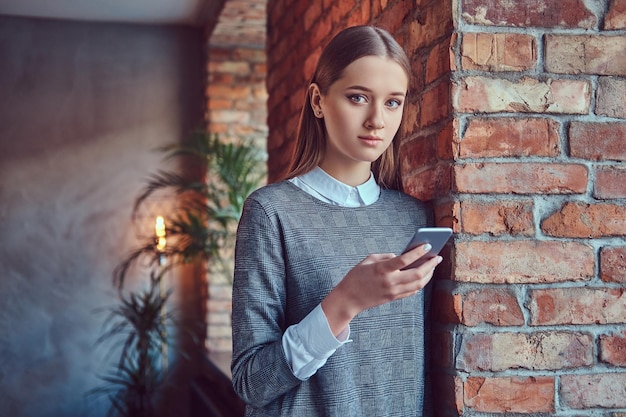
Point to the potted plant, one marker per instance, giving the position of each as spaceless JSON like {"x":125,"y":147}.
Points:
{"x":208,"y":208}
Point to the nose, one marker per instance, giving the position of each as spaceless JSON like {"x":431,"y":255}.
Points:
{"x":375,"y":119}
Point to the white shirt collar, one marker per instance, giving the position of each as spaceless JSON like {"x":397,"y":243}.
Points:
{"x":324,"y":187}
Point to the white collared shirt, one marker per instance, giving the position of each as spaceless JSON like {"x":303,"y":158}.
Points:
{"x":326,"y":188}
{"x":309,"y":344}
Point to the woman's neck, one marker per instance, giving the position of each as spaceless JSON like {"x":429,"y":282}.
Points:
{"x":352,"y":175}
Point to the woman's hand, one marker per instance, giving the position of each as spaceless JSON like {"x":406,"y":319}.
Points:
{"x":376,"y":280}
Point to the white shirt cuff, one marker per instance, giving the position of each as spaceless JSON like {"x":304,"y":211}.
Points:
{"x":309,"y":344}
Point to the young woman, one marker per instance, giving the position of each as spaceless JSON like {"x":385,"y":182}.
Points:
{"x":326,"y":320}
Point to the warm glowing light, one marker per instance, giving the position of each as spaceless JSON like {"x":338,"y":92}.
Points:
{"x":159,"y":229}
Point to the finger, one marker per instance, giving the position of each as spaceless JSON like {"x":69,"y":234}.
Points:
{"x":407,"y":258}
{"x":420,"y":272}
{"x":416,"y":284}
{"x":419,"y":277}
{"x":377,"y":257}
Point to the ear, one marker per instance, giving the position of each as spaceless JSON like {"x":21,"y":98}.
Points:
{"x":316,"y":100}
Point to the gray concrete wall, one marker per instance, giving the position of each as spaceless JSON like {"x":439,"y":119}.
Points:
{"x":82,"y":106}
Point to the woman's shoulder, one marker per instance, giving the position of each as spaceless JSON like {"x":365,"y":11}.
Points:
{"x":401,"y":202}
{"x":276,"y":196}
{"x":272,"y":191}
{"x":395,"y":196}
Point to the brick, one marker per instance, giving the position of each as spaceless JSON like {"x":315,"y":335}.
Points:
{"x":310,"y":63}
{"x":493,"y":306}
{"x":230,"y":67}
{"x":529,"y":13}
{"x":435,"y":104}
{"x":577,"y":306}
{"x":429,"y":25}
{"x":259,"y":92}
{"x":535,"y":351}
{"x":219,"y":345}
{"x":221,"y":291}
{"x":613,"y":264}
{"x":520,"y":178}
{"x":259,"y":73}
{"x":447,"y":214}
{"x":218,"y":306}
{"x":218,"y":53}
{"x":509,"y":394}
{"x":448,"y":309}
{"x":593,"y":390}
{"x":438,"y":61}
{"x":582,"y":220}
{"x":228,"y":91}
{"x":220,"y":78}
{"x":418,"y":152}
{"x":432,"y":182}
{"x":616,"y":15}
{"x":445,"y":140}
{"x":360,"y":16}
{"x":341,"y":9}
{"x":597,"y":141}
{"x":215,"y":127}
{"x":219,"y":318}
{"x":585,"y":54}
{"x":219,"y":104}
{"x":527,"y":95}
{"x":312,"y":14}
{"x":394,"y":15}
{"x":498,"y":52}
{"x":613,"y":349}
{"x":509,"y":137}
{"x":320,"y":30}
{"x":229,"y":116}
{"x":220,"y":332}
{"x":497,"y":217}
{"x":524,"y":261}
{"x":410,"y":122}
{"x":610,"y":95}
{"x":251,"y":55}
{"x":610,"y":183}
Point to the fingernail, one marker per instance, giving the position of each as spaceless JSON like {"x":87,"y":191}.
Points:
{"x":439,"y":259}
{"x":427,"y":247}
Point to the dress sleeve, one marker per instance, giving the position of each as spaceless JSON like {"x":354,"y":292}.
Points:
{"x":309,"y":344}
{"x":260,"y":369}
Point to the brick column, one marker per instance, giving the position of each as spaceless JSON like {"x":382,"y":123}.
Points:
{"x":236,"y":109}
{"x":532,"y":322}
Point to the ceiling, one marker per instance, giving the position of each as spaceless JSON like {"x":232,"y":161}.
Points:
{"x":175,"y":12}
{"x":229,"y":21}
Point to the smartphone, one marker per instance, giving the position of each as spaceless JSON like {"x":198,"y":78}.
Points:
{"x":436,"y":236}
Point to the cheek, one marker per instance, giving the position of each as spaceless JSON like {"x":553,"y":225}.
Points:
{"x":340,"y":120}
{"x":394,"y":124}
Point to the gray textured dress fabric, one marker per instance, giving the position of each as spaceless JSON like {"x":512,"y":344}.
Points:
{"x":292,"y":249}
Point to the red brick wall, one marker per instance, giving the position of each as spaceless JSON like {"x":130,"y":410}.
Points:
{"x":517,"y":132}
{"x":539,"y":141}
{"x":236,"y":93}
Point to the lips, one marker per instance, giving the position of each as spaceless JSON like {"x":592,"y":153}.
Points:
{"x":371,"y":140}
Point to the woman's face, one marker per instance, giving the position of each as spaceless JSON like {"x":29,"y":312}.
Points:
{"x":362,"y":112}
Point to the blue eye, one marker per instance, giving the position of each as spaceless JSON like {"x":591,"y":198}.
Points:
{"x":394,"y":103}
{"x":357,"y":98}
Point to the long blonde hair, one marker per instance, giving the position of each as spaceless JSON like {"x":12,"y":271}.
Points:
{"x":348,"y":46}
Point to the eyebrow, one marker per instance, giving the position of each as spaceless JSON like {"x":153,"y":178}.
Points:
{"x":369,"y":90}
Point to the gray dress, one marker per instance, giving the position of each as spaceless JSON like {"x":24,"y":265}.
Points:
{"x":292,"y":249}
